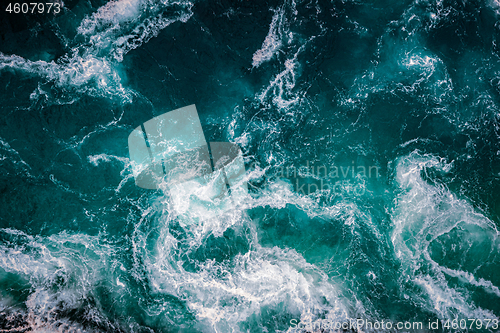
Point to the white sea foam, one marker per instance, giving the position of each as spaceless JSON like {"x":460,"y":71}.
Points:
{"x":62,"y":271}
{"x":121,"y":26}
{"x":111,"y":16}
{"x":425,"y":212}
{"x":283,"y":41}
{"x":90,"y":75}
{"x":111,"y":32}
{"x":281,"y":86}
{"x":96,"y":159}
{"x":272,"y":42}
{"x":145,"y":31}
{"x":223,"y":294}
{"x":11,"y":155}
{"x":495,"y":5}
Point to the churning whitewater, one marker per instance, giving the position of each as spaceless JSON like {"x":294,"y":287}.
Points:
{"x":370,"y":135}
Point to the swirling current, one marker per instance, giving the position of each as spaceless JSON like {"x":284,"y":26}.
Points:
{"x":370,"y":132}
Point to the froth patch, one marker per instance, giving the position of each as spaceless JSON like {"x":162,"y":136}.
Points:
{"x":424,"y":212}
{"x":272,"y":42}
{"x":112,"y":14}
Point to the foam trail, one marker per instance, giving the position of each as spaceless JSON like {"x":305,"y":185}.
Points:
{"x":112,"y":16}
{"x":424,"y":213}
{"x":282,"y":42}
{"x":121,"y":26}
{"x":111,"y":32}
{"x":88,"y":75}
{"x":272,"y":43}
{"x":280,"y":88}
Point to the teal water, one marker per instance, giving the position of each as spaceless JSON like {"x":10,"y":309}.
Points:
{"x":371,"y":135}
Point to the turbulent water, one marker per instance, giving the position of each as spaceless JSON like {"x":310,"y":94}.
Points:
{"x":371,"y":137}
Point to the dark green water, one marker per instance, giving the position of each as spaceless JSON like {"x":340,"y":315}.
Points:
{"x":371,"y":135}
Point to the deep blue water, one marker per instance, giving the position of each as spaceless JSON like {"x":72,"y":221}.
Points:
{"x":371,"y":136}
